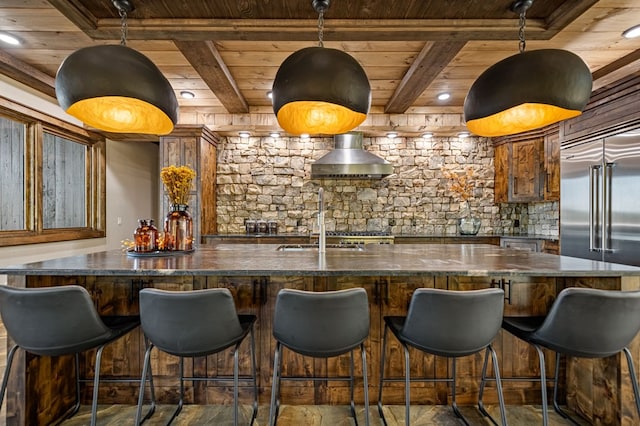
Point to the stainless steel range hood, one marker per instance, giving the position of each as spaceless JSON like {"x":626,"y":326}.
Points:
{"x":349,"y":161}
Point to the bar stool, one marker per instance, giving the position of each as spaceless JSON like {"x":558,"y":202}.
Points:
{"x":450,"y":324}
{"x":321,"y":325}
{"x":193,"y":324}
{"x":582,"y":322}
{"x":55,"y":321}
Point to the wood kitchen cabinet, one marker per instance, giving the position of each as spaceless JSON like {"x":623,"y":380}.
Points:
{"x":527,"y":166}
{"x":196,"y":147}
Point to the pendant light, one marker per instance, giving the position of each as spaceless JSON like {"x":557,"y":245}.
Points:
{"x":528,"y":90}
{"x":318,"y":90}
{"x":117,"y":89}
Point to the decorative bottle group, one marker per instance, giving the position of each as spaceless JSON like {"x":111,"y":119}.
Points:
{"x":145,"y":236}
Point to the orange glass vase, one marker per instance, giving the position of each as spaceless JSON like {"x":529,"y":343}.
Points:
{"x":178,"y":229}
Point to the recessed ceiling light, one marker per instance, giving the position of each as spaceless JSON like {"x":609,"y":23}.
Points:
{"x":444,"y":96}
{"x":392,"y":135}
{"x":427,"y":135}
{"x":274,"y":135}
{"x":304,"y":137}
{"x":270,"y":94}
{"x":463,"y":135}
{"x":632,"y":32}
{"x":187,"y":95}
{"x":244,"y":135}
{"x":9,"y":39}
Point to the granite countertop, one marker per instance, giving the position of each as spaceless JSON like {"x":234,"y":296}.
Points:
{"x":373,"y":260}
{"x":296,"y":235}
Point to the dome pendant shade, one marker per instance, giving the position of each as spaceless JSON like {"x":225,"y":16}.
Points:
{"x":116,"y":89}
{"x":527,"y":91}
{"x":318,"y":90}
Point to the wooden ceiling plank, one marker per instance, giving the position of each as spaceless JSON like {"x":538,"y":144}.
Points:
{"x":26,"y":74}
{"x":566,"y":13}
{"x":429,"y":63}
{"x":206,"y":60}
{"x":77,"y":13}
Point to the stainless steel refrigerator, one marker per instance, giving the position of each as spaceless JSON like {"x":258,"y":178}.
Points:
{"x":600,"y":199}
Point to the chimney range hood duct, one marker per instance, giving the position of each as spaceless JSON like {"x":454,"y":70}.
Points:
{"x":349,"y":161}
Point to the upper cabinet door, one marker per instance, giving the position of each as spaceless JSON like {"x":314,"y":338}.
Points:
{"x":552,"y":166}
{"x":525,"y":171}
{"x":527,"y":167}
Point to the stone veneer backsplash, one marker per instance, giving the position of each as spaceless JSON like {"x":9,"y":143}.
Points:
{"x":267,"y":178}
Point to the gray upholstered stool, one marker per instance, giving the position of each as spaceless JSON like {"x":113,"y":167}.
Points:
{"x":449,"y":324}
{"x":321,"y":325}
{"x":55,"y":321}
{"x":213,"y":325}
{"x":582,"y":322}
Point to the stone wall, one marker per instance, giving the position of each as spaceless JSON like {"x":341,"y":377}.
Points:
{"x":267,"y":178}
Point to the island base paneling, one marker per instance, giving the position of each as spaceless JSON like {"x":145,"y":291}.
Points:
{"x":42,"y":390}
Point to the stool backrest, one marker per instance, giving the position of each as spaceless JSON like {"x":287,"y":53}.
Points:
{"x":590,"y":322}
{"x":189,"y":323}
{"x":321,"y":324}
{"x":51,"y":321}
{"x":453,"y":323}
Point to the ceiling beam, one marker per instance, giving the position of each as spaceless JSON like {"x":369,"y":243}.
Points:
{"x":616,"y":65}
{"x":427,"y":66}
{"x":306,"y":30}
{"x":26,"y":74}
{"x":205,"y":59}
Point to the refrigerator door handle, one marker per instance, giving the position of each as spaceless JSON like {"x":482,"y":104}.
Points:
{"x":606,"y":207}
{"x":594,"y":171}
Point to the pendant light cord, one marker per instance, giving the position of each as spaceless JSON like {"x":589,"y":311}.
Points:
{"x":523,"y":21}
{"x":123,"y":26}
{"x":321,"y":28}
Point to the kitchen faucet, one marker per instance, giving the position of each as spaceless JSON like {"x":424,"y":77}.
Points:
{"x":322,"y":241}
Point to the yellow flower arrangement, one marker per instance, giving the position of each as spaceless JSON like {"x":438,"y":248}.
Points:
{"x":177,"y":180}
{"x":461,"y":184}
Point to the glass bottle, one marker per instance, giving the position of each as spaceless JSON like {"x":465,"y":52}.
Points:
{"x":178,"y":228}
{"x":145,"y":236}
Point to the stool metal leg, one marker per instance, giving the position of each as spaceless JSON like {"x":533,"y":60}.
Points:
{"x":352,"y":404}
{"x":496,"y":369}
{"x":146,"y":372}
{"x":366,"y":384}
{"x":494,"y":359}
{"x":275,"y":386}
{"x":254,"y":376}
{"x":235,"y":385}
{"x":543,"y":386}
{"x":556,"y":406}
{"x":454,"y":404}
{"x":76,"y":361}
{"x":96,"y":385}
{"x":407,"y":386}
{"x":483,"y":382}
{"x":632,"y":376}
{"x":5,"y":379}
{"x":382,"y":358}
{"x":181,"y":401}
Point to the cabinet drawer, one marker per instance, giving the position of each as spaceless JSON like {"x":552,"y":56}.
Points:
{"x":521,"y":244}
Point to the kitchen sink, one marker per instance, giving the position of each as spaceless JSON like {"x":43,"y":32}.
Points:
{"x":314,"y":247}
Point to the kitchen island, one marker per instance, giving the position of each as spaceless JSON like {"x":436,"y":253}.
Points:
{"x":390,"y":273}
